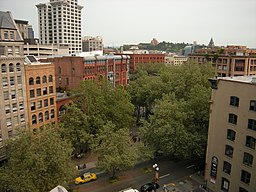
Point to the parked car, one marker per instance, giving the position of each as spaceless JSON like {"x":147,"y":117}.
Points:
{"x":87,"y":177}
{"x":129,"y":190}
{"x":149,"y":187}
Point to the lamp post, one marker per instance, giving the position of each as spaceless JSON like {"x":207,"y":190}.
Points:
{"x":156,"y":176}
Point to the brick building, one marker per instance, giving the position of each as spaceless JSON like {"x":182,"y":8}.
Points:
{"x":228,"y":61}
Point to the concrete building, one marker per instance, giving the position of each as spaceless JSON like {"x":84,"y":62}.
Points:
{"x":231,"y":152}
{"x":41,"y":92}
{"x":228,"y":61}
{"x":175,"y":60}
{"x":60,"y":23}
{"x":90,"y":43}
{"x":13,"y":99}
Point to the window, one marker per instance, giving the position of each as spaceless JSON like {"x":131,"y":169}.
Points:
{"x":45,"y":91}
{"x":2,"y":50}
{"x":253,"y":105}
{"x":224,"y":184}
{"x":73,"y":71}
{"x":250,"y":142}
{"x":40,"y":117}
{"x":229,"y":151}
{"x":22,"y":118}
{"x":32,"y":93}
{"x":252,"y":124}
{"x":9,"y":49}
{"x":231,"y":135}
{"x":19,"y":80}
{"x":12,"y":81}
{"x":39,"y":104}
{"x":241,"y":189}
{"x":15,"y":120}
{"x":7,"y":109}
{"x":9,"y":122}
{"x":51,"y":89}
{"x":67,"y":81}
{"x":6,"y":35}
{"x":3,"y":68}
{"x":11,"y":67}
{"x":46,"y":103}
{"x":232,"y":118}
{"x":38,"y":81}
{"x":31,"y":81}
{"x":226,"y":167}
{"x":21,"y":106}
{"x":59,"y":70}
{"x":51,"y":101}
{"x":14,"y":107}
{"x":245,"y":177}
{"x":46,"y":115}
{"x":12,"y":35}
{"x":18,"y":68}
{"x":248,"y":159}
{"x":6,"y":95}
{"x":50,"y":78}
{"x":33,"y":106}
{"x":38,"y":92}
{"x":44,"y":79}
{"x":13,"y":94}
{"x":20,"y":93}
{"x":34,"y":121}
{"x":52,"y":113}
{"x":17,"y":50}
{"x":5,"y":82}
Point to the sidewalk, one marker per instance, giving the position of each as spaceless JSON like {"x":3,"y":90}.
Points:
{"x":89,"y":159}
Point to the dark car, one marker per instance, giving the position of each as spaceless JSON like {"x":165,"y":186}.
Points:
{"x":149,"y":187}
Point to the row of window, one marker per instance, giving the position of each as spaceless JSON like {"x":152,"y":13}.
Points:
{"x":234,"y":101}
{"x":15,"y":120}
{"x":40,"y":91}
{"x":11,"y":67}
{"x":43,"y":117}
{"x":12,"y":95}
{"x":10,"y":50}
{"x":11,"y":81}
{"x":32,"y":81}
{"x":245,"y":177}
{"x":232,"y":118}
{"x":249,"y":142}
{"x":14,"y":108}
{"x":41,"y":104}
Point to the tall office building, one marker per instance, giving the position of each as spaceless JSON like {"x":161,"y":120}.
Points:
{"x":231,"y":149}
{"x":60,"y":23}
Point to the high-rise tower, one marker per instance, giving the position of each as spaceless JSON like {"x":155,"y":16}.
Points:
{"x":59,"y":22}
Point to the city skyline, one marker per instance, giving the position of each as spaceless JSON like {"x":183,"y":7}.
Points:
{"x":228,"y":22}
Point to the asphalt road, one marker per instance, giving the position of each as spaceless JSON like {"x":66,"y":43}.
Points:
{"x":169,"y":172}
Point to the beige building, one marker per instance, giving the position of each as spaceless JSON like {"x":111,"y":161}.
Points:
{"x":41,"y":92}
{"x":92,"y":44}
{"x":231,"y":152}
{"x":13,"y":104}
{"x":175,"y":60}
{"x":228,"y":61}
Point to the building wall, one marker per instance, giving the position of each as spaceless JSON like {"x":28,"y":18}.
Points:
{"x":13,"y":106}
{"x":92,"y":44}
{"x":218,"y":136}
{"x":229,"y":61}
{"x":41,"y":94}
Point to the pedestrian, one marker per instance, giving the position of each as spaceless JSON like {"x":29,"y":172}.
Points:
{"x":165,"y":188}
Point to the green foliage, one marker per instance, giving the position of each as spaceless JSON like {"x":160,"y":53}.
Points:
{"x":74,"y":127}
{"x":102,"y":103}
{"x":177,"y":99}
{"x":37,"y":162}
{"x":116,"y":152}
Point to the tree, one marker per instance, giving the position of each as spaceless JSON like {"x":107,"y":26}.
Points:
{"x":75,"y":128}
{"x":115,"y":150}
{"x":101,"y":103}
{"x":37,"y":162}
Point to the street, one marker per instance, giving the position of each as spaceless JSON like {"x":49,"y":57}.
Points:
{"x":169,"y":172}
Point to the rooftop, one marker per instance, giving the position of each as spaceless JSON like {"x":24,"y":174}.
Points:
{"x":243,"y":79}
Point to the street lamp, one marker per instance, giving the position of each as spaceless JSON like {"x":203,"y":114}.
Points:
{"x":156,"y":168}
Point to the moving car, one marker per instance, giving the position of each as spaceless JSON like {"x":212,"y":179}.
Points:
{"x":149,"y":187}
{"x":87,"y":177}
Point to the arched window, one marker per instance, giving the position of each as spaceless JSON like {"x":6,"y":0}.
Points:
{"x":34,"y":121}
{"x":59,"y":70}
{"x":52,"y":113}
{"x":73,"y":71}
{"x":38,"y":81}
{"x":40,"y":117}
{"x":18,"y":68}
{"x":3,"y":68}
{"x":11,"y":67}
{"x":44,"y":79}
{"x":50,"y":78}
{"x":46,"y":115}
{"x":31,"y":81}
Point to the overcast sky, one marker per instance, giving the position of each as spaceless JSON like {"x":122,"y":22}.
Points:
{"x":228,"y":22}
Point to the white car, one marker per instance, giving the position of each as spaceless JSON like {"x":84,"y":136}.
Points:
{"x":129,"y":190}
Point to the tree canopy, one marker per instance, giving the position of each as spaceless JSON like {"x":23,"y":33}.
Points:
{"x":37,"y":162}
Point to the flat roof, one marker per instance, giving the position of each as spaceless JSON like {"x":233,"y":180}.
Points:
{"x":244,"y":79}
